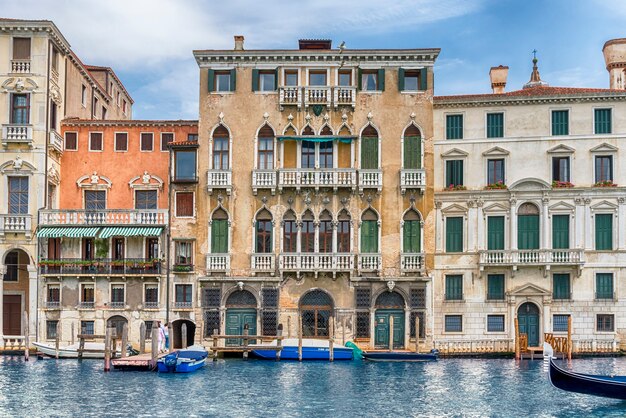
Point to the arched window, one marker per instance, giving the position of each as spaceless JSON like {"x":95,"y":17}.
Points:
{"x":528,"y":227}
{"x":412,"y":148}
{"x":307,"y":157}
{"x":290,"y":233}
{"x":316,"y":308}
{"x":369,"y":148}
{"x":369,"y":232}
{"x":411,"y":232}
{"x":390,"y":300}
{"x":241,"y":299}
{"x":266,"y":148}
{"x":326,"y":233}
{"x":220,"y":148}
{"x":263,"y":232}
{"x":307,"y":241}
{"x":117,"y":322}
{"x":326,"y":149}
{"x":343,"y":232}
{"x":11,"y":262}
{"x":219,"y":232}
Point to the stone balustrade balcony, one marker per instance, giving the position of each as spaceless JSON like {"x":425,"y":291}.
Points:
{"x":317,"y":95}
{"x":316,"y":178}
{"x":220,"y":179}
{"x":56,"y":141}
{"x":344,"y":96}
{"x":531,"y":258}
{"x":217,"y":263}
{"x":20,"y":66}
{"x":412,"y":179}
{"x":412,"y":263}
{"x":79,"y":217}
{"x":263,"y":179}
{"x":263,"y":263}
{"x":15,"y":224}
{"x":290,"y":96}
{"x":17,"y":134}
{"x":316,"y":262}
{"x":370,"y":179}
{"x":370,"y":263}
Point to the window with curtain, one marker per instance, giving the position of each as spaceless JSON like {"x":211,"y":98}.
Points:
{"x":183,"y":253}
{"x":495,"y":171}
{"x":604,"y":168}
{"x":561,"y":169}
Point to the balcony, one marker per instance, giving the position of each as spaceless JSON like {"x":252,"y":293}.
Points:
{"x":56,"y":141}
{"x":103,"y":217}
{"x":183,"y":305}
{"x":370,"y":179}
{"x":290,"y":96}
{"x":220,"y":179}
{"x":370,"y":263}
{"x":263,"y":179}
{"x":100,"y":267}
{"x":217,"y":263}
{"x":53,"y":304}
{"x":17,"y":134}
{"x":151,"y":305}
{"x":15,"y":224}
{"x":86,"y":305}
{"x":263,"y":263}
{"x":117,"y":305}
{"x":412,"y":179}
{"x":344,"y":96}
{"x":317,"y":178}
{"x":20,"y":66}
{"x":316,"y":95}
{"x":316,"y":262}
{"x":531,"y":258}
{"x":412,"y":263}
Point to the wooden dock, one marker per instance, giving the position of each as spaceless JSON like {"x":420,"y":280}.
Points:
{"x":138,"y":362}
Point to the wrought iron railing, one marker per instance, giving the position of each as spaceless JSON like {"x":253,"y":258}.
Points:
{"x":86,"y":305}
{"x":102,"y":266}
{"x":117,"y":305}
{"x":53,"y":304}
{"x":151,"y":305}
{"x":183,"y":305}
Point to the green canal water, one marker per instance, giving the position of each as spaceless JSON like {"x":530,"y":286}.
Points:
{"x":234,"y":388}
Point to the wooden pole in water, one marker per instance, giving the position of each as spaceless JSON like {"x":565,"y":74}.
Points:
{"x":300,"y":338}
{"x":142,"y":337}
{"x":279,"y":341}
{"x":26,"y":336}
{"x":215,"y":341}
{"x":390,"y":332}
{"x":288,"y":327}
{"x":569,"y":337}
{"x":331,"y":335}
{"x":124,"y":340}
{"x":417,"y":334}
{"x":56,"y":340}
{"x":170,"y":335}
{"x":107,"y":349}
{"x":246,"y":330}
{"x":517,"y":347}
{"x":81,"y":346}
{"x":183,"y":335}
{"x":72,"y":332}
{"x":154,"y":352}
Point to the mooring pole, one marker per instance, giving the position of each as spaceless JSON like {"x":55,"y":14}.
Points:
{"x":331,"y":336}
{"x":279,"y":341}
{"x":183,"y":335}
{"x":390,"y":332}
{"x":124,"y":340}
{"x":300,"y":339}
{"x":246,"y":330}
{"x":107,"y":349}
{"x":417,"y":334}
{"x":154,"y":353}
{"x":142,"y":337}
{"x":26,"y":336}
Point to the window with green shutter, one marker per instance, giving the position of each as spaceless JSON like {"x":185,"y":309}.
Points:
{"x":454,"y":173}
{"x":560,"y":122}
{"x":602,"y":121}
{"x":604,"y":231}
{"x":369,"y":237}
{"x":369,"y":152}
{"x":495,"y":125}
{"x":528,"y":232}
{"x":412,"y":80}
{"x":560,"y":231}
{"x":495,"y":287}
{"x":454,"y":234}
{"x":454,"y":287}
{"x":604,"y":286}
{"x":495,"y":233}
{"x":454,"y":126}
{"x":219,"y":236}
{"x":411,"y":235}
{"x":412,"y":152}
{"x":560,"y":286}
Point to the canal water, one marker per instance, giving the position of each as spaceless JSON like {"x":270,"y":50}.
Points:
{"x":234,"y":388}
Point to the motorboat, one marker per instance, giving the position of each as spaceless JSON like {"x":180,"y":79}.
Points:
{"x":312,"y":349}
{"x":400,"y":356}
{"x":186,"y":360}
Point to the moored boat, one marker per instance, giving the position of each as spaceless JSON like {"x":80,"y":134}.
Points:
{"x":400,"y":356}
{"x":312,"y":349}
{"x":588,"y":384}
{"x":92,"y":350}
{"x":183,"y":361}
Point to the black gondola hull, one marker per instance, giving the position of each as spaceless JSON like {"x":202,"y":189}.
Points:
{"x":605,"y":386}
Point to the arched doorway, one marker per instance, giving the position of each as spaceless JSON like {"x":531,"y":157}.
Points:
{"x":117,"y":322}
{"x":15,"y":297}
{"x":528,"y":321}
{"x":316,"y":309}
{"x":176,"y":329}
{"x":240,"y":310}
{"x":389,"y":305}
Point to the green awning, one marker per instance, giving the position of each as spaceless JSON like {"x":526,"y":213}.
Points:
{"x":130,"y":231}
{"x":317,"y":138}
{"x":67,"y":231}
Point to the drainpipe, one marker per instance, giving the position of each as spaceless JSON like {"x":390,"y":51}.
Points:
{"x":168,"y":239}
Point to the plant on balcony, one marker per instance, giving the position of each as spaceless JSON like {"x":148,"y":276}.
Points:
{"x":496,"y":186}
{"x":557,"y":184}
{"x":183,"y":268}
{"x":454,"y":188}
{"x":102,"y":248}
{"x":117,"y":263}
{"x":605,"y":183}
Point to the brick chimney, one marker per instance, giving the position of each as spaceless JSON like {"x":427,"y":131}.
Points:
{"x":498,"y":78}
{"x":238,"y":42}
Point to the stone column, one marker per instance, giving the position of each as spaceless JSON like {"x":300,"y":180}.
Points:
{"x":480,"y":226}
{"x":471,"y":222}
{"x":513,"y":224}
{"x":3,"y":270}
{"x":31,"y":304}
{"x":439,"y":230}
{"x":621,"y":217}
{"x":588,"y":225}
{"x":579,"y":223}
{"x":544,"y":230}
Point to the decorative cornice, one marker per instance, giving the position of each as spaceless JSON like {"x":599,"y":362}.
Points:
{"x":100,"y":122}
{"x":520,"y":101}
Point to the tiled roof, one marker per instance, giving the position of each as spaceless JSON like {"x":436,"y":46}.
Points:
{"x":538,"y":91}
{"x":109,"y":69}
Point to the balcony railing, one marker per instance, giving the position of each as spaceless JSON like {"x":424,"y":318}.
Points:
{"x":13,"y":224}
{"x":263,"y":263}
{"x":17,"y":134}
{"x":317,"y":95}
{"x":344,"y":96}
{"x":103,"y":217}
{"x":20,"y":66}
{"x":183,"y":305}
{"x":53,"y":304}
{"x":117,"y":305}
{"x":220,"y":179}
{"x":412,"y":179}
{"x":263,"y":179}
{"x":370,"y":179}
{"x":56,"y":141}
{"x":104,"y":266}
{"x":151,"y":305}
{"x":290,"y":96}
{"x":412,"y":263}
{"x":86,"y":305}
{"x":369,"y":263}
{"x":316,"y":262}
{"x":320,"y":177}
{"x":217,"y":263}
{"x":531,"y":257}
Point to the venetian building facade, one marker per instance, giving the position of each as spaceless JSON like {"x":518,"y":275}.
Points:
{"x":42,"y":82}
{"x":308,"y":200}
{"x":529,"y":212}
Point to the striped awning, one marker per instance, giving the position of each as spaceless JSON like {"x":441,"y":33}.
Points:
{"x":130,"y":231}
{"x":68,"y":231}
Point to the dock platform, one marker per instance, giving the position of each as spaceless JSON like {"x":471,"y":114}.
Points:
{"x":138,"y":362}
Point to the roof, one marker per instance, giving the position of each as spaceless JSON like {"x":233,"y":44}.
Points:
{"x":110,"y":70}
{"x":127,"y":122}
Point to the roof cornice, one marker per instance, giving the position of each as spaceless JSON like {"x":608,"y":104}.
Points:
{"x":130,"y":122}
{"x":10,"y":25}
{"x":520,"y":101}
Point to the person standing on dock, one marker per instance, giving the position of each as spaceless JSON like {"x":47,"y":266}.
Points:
{"x":166,"y":331}
{"x":162,"y":335}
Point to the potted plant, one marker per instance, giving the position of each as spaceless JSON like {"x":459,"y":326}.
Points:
{"x":102,"y":248}
{"x":557,"y":184}
{"x":499,"y":185}
{"x":605,"y":183}
{"x":182,"y":268}
{"x":454,"y":188}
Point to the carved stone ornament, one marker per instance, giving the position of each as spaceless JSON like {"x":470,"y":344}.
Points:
{"x":369,"y":116}
{"x":290,"y":117}
{"x":412,"y":115}
{"x":240,"y":285}
{"x":344,"y":116}
{"x":307,"y":118}
{"x":94,"y":178}
{"x":221,"y":117}
{"x":19,"y":85}
{"x":326,"y":117}
{"x":145,"y":179}
{"x":266,"y":116}
{"x":390,"y":285}
{"x":55,"y":95}
{"x":17,"y":163}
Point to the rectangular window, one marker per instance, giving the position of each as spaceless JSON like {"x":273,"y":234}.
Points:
{"x":219,"y":236}
{"x":95,"y":141}
{"x":71,"y":141}
{"x":307,"y":237}
{"x":604,"y":231}
{"x":263,"y":239}
{"x":222,"y":81}
{"x":183,"y":250}
{"x":560,"y":122}
{"x":151,"y":296}
{"x":55,"y":59}
{"x":147,"y":139}
{"x":325,"y":237}
{"x":166,"y":138}
{"x":152,"y":248}
{"x":495,"y":287}
{"x":495,"y":171}
{"x":104,"y":112}
{"x":372,"y":80}
{"x":53,"y":295}
{"x":454,"y":234}
{"x":561,"y":286}
{"x":345,"y":78}
{"x":454,"y":126}
{"x":604,"y":286}
{"x":495,"y":323}
{"x":604,"y":168}
{"x":409,"y":80}
{"x":124,"y":106}
{"x":121,"y":141}
{"x":95,"y":199}
{"x":343,"y":236}
{"x":267,"y":80}
{"x":145,"y":199}
{"x":86,"y":328}
{"x":185,"y":162}
{"x":94,"y":109}
{"x":20,"y":109}
{"x":220,"y":153}
{"x":560,"y":231}
{"x":317,"y":78}
{"x":602,"y":121}
{"x":559,"y":323}
{"x":326,"y":154}
{"x":495,"y":125}
{"x":184,"y":204}
{"x":495,"y":233}
{"x":369,"y":236}
{"x":290,"y":236}
{"x":51,"y":329}
{"x":266,"y":153}
{"x":21,"y":48}
{"x":117,"y":295}
{"x":18,"y":195}
{"x":453,"y":323}
{"x":291,"y":78}
{"x":561,"y":169}
{"x":192,"y":137}
{"x":83,"y":95}
{"x":454,"y":287}
{"x":605,"y":323}
{"x":454,"y":173}
{"x":307,"y":154}
{"x":88,"y":248}
{"x":87,"y":295}
{"x":183,"y":293}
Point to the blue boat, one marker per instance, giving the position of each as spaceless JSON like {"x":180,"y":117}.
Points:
{"x":311,"y":350}
{"x":400,"y":356}
{"x":183,"y":361}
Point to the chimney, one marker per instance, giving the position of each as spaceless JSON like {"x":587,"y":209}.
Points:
{"x":238,"y":42}
{"x":615,"y":58}
{"x":498,"y":78}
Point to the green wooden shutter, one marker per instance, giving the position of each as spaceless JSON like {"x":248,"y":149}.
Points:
{"x":211,"y":80}
{"x":369,"y":237}
{"x":454,"y":173}
{"x":454,"y":126}
{"x":454,"y":287}
{"x":560,"y":231}
{"x":560,"y":122}
{"x":602,"y":121}
{"x":454,"y":234}
{"x":604,"y":286}
{"x":381,"y":79}
{"x":528,"y":232}
{"x":219,"y":236}
{"x":495,"y":287}
{"x":369,"y":153}
{"x":423,"y":79}
{"x":495,"y":233}
{"x":411,"y":233}
{"x":412,"y":152}
{"x":604,"y":231}
{"x":359,"y":79}
{"x":495,"y":125}
{"x":401,"y":79}
{"x":255,"y":80}
{"x":560,"y":286}
{"x":233,"y":80}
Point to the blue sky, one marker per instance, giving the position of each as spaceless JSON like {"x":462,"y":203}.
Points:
{"x":149,"y":42}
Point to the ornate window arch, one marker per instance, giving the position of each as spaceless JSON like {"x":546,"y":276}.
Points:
{"x":344,"y":232}
{"x":325,"y":232}
{"x":369,"y":149}
{"x":316,"y":311}
{"x":265,"y":146}
{"x":220,"y":146}
{"x":290,"y":232}
{"x":263,"y":231}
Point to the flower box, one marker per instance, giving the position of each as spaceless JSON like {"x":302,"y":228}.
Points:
{"x":182,"y":268}
{"x":556,"y":184}
{"x":496,"y":186}
{"x":606,"y":183}
{"x":453,"y":188}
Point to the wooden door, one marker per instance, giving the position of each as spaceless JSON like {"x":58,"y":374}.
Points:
{"x":381,"y":328}
{"x":12,"y":315}
{"x":528,"y":320}
{"x":236,"y":319}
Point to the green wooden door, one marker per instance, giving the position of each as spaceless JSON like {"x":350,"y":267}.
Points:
{"x":236,"y":318}
{"x":369,"y":237}
{"x":412,"y":152}
{"x":560,"y":231}
{"x":411,"y":234}
{"x":495,"y":233}
{"x":219,"y":236}
{"x":528,"y":320}
{"x":381,"y":328}
{"x":369,"y":153}
{"x":528,"y":232}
